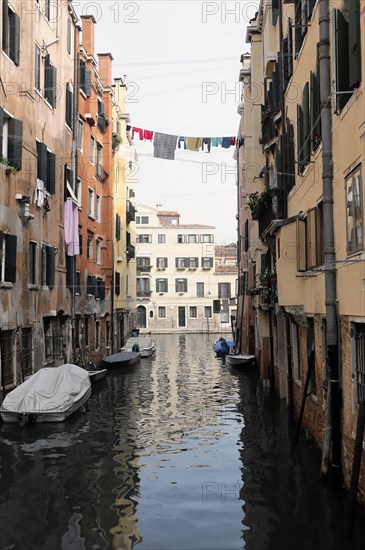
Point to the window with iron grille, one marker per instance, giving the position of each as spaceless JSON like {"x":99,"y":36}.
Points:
{"x":27,"y":351}
{"x":224,"y":290}
{"x":7,"y":350}
{"x":193,"y":312}
{"x":360,"y":360}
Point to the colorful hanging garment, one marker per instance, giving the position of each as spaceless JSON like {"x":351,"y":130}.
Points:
{"x":147,"y":134}
{"x":181,"y":140}
{"x":164,"y":146}
{"x":216,"y":141}
{"x":226,"y":142}
{"x":194,"y":143}
{"x":138,"y":131}
{"x":233,"y":141}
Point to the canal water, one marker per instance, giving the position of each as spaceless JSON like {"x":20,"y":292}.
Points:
{"x":176,"y":453}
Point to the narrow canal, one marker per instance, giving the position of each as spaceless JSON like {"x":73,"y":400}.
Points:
{"x":177,"y":453}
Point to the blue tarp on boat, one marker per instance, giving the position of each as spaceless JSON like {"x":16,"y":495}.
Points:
{"x":218,"y":345}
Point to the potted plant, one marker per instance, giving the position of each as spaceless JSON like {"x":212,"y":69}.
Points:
{"x":256,"y":202}
{"x":116,"y":140}
{"x":9,"y":169}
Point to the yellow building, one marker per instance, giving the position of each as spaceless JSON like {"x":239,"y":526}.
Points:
{"x":309,"y":205}
{"x":125,"y":180}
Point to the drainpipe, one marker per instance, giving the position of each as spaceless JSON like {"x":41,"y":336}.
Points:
{"x":333,"y":366}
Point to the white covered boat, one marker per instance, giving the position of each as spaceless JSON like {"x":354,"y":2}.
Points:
{"x":49,"y":395}
{"x":238,"y":360}
{"x":145,"y":345}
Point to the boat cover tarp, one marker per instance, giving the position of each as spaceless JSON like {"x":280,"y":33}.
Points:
{"x":144,"y":342}
{"x":218,"y":345}
{"x":51,"y":389}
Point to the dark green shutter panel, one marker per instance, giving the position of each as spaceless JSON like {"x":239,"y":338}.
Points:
{"x":265,"y":262}
{"x":69,"y":107}
{"x":306,"y":125}
{"x":245,"y":247}
{"x":82,"y":68}
{"x":298,"y":27}
{"x":10,"y":258}
{"x":1,"y":131}
{"x":275,"y":11}
{"x":5,"y":14}
{"x":300,"y":138}
{"x":80,"y":243}
{"x":47,"y":67}
{"x":216,"y":306}
{"x":31,"y":263}
{"x":87,"y":82}
{"x":101,"y":290}
{"x":69,"y":271}
{"x":176,"y":285}
{"x":117,"y":227}
{"x":51,"y":262}
{"x":117,"y":283}
{"x":311,"y":4}
{"x":51,"y":172}
{"x":157,"y":289}
{"x":342,"y":52}
{"x":53,"y":86}
{"x":93,"y":285}
{"x":354,"y":44}
{"x":290,"y":49}
{"x":14,"y":38}
{"x":185,"y":285}
{"x":41,"y":161}
{"x":15,"y":143}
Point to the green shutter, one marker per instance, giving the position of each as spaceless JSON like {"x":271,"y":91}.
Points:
{"x":69,"y":107}
{"x":53,"y":86}
{"x":10,"y":258}
{"x":47,"y":67}
{"x":14,"y":39}
{"x":354,"y":44}
{"x":41,"y":161}
{"x":216,"y":306}
{"x":300,"y":139}
{"x":82,"y":68}
{"x":50,"y":265}
{"x":15,"y":143}
{"x":87,"y":88}
{"x":69,"y":272}
{"x":306,"y":125}
{"x":176,"y":285}
{"x":5,"y":8}
{"x":51,"y":172}
{"x":185,"y":285}
{"x":341,"y":59}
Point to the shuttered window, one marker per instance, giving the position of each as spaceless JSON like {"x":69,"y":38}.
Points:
{"x":91,"y":285}
{"x":117,"y":227}
{"x":181,"y":285}
{"x":301,"y":249}
{"x":50,"y":81}
{"x":117,"y":283}
{"x":100,"y":289}
{"x":311,"y":251}
{"x":15,"y":143}
{"x":11,"y":33}
{"x":46,"y":167}
{"x":315,"y":107}
{"x":32,"y":263}
{"x":48,"y":265}
{"x":161,"y":285}
{"x":69,"y":106}
{"x":8,"y":253}
{"x":84,"y":78}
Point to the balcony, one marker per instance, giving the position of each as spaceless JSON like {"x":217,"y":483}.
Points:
{"x":144,"y":268}
{"x":144,"y":293}
{"x":274,"y":210}
{"x":131,"y":251}
{"x":131,"y":212}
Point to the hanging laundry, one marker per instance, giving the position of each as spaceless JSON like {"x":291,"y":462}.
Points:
{"x":128,"y":127}
{"x":164,"y":146}
{"x":216,"y":141}
{"x":147,"y":134}
{"x":138,"y":131}
{"x":226,"y":142}
{"x":194,"y":143}
{"x":181,"y":140}
{"x":233,"y":141}
{"x":39,"y":193}
{"x":71,"y":222}
{"x":207,"y":142}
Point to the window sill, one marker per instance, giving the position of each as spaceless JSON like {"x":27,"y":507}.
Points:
{"x":354,"y":253}
{"x":33,"y":287}
{"x":6,"y":284}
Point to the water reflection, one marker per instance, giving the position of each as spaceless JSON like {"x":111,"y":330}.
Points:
{"x":177,"y":453}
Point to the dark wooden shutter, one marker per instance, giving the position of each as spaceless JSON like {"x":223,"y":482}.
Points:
{"x":306,"y":125}
{"x":14,"y":39}
{"x":1,"y":131}
{"x":246,"y":245}
{"x":80,"y":243}
{"x":10,"y":258}
{"x":117,"y":283}
{"x":87,"y":88}
{"x":216,"y":306}
{"x":5,"y":14}
{"x":117,"y":227}
{"x":69,"y":107}
{"x":31,"y":262}
{"x":69,"y":272}
{"x":15,"y":143}
{"x":176,"y":285}
{"x":275,"y":11}
{"x":47,"y":66}
{"x":51,"y":172}
{"x":50,"y":265}
{"x":53,"y":86}
{"x":300,"y":139}
{"x":41,"y":161}
{"x":354,"y":44}
{"x":101,"y":290}
{"x":342,"y":59}
{"x":185,"y":285}
{"x":82,"y":68}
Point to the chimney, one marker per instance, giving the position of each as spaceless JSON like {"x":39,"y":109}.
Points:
{"x":88,"y":22}
{"x":105,"y":69}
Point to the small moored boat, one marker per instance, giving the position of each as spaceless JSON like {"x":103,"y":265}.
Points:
{"x":122,"y":359}
{"x":50,"y":395}
{"x":145,"y":344}
{"x":96,"y":375}
{"x":237,"y":360}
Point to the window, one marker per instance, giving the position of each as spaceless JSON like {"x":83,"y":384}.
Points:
{"x":288,"y":54}
{"x":11,"y":140}
{"x":69,"y":106}
{"x":224,"y":290}
{"x":50,"y":82}
{"x":86,"y":330}
{"x":161,"y":285}
{"x":46,"y":167}
{"x":117,"y":227}
{"x":79,"y":192}
{"x":144,"y":262}
{"x":144,"y":219}
{"x":200,"y":290}
{"x":359,"y":334}
{"x":37,"y":68}
{"x":78,"y":282}
{"x":207,"y":238}
{"x":161,"y":312}
{"x":207,"y":263}
{"x":181,"y":285}
{"x":207,"y":312}
{"x":117,"y":283}
{"x":27,"y":351}
{"x":98,"y":251}
{"x":161,"y":239}
{"x":295,"y":348}
{"x":80,"y":135}
{"x":99,"y":152}
{"x":102,"y":121}
{"x":84,"y":78}
{"x":192,"y":238}
{"x":346,"y":52}
{"x":69,"y":36}
{"x":311,"y":355}
{"x":7,"y":354}
{"x":143,"y":287}
{"x":11,"y":33}
{"x":92,"y":148}
{"x":47,"y":9}
{"x":89,"y":251}
{"x":303,"y":13}
{"x":310,"y":250}
{"x":161,"y":263}
{"x":138,"y":220}
{"x":97,"y":334}
{"x":100,"y":289}
{"x":91,"y":203}
{"x":193,"y":312}
{"x":181,"y":239}
{"x":304,"y":131}
{"x":144,"y":239}
{"x":98,"y":208}
{"x":8,"y":253}
{"x":32,"y":251}
{"x":91,"y":285}
{"x":354,"y":212}
{"x":193,"y":262}
{"x":181,"y":263}
{"x":48,"y":265}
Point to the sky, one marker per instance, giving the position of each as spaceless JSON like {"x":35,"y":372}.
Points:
{"x":181,"y":60}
